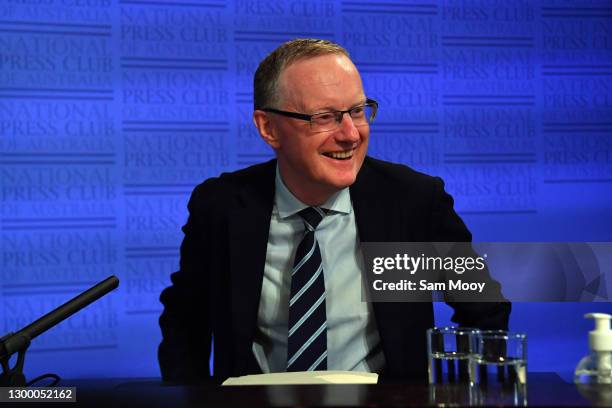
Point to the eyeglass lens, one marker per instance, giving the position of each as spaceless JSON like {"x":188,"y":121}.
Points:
{"x":361,"y":116}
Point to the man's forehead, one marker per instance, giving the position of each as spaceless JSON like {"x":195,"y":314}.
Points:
{"x":318,"y":64}
{"x":314,"y":83}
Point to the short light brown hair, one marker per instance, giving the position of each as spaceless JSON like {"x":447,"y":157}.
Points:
{"x":265,"y":81}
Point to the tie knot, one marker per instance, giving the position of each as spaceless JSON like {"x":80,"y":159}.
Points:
{"x":312,"y":216}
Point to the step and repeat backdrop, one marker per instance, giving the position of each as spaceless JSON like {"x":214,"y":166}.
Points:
{"x":111,"y":111}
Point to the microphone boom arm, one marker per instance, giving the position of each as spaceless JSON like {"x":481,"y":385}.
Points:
{"x":20,"y":341}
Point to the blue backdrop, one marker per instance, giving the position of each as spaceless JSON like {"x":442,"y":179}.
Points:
{"x":111,"y":111}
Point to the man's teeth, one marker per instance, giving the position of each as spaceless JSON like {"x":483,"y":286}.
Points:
{"x":340,"y":155}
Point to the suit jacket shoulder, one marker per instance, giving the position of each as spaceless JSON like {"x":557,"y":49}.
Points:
{"x":397,"y":179}
{"x":412,"y":206}
{"x":251,"y":183}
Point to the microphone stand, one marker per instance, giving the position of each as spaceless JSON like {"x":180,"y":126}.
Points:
{"x":19,"y":342}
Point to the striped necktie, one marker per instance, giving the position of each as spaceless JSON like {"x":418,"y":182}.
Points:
{"x":307,"y":342}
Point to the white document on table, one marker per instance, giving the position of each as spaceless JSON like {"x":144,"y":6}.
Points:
{"x":305,"y":377}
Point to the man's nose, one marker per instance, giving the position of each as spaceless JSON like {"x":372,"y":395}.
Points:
{"x":348,"y":130}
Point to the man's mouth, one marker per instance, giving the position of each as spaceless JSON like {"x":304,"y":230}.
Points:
{"x":346,"y":155}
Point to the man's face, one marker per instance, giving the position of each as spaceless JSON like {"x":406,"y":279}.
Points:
{"x":314,"y":165}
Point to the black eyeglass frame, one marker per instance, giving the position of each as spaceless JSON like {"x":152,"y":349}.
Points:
{"x":339,"y":114}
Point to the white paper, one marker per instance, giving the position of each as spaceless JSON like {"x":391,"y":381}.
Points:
{"x":305,"y":377}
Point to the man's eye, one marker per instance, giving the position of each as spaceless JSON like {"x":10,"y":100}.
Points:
{"x":358,"y":111}
{"x":325,"y":117}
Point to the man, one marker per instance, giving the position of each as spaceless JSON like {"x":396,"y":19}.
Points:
{"x":270,"y":263}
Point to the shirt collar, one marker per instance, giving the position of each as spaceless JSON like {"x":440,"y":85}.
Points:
{"x":287,"y":204}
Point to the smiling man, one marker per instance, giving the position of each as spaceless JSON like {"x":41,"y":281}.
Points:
{"x":318,"y":154}
{"x":271,"y":266}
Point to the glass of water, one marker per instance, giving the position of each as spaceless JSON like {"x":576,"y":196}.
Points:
{"x":498,"y":368}
{"x":448,"y":351}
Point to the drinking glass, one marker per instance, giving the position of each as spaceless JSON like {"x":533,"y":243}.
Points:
{"x":448,"y":351}
{"x":498,"y":368}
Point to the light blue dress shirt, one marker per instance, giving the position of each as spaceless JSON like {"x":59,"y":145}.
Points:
{"x":353,"y":342}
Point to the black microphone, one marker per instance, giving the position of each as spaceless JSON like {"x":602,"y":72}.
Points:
{"x":19,"y":341}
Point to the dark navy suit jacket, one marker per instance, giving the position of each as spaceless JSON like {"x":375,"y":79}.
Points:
{"x":216,"y":292}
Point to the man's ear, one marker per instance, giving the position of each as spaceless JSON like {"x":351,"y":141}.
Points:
{"x":265,"y":128}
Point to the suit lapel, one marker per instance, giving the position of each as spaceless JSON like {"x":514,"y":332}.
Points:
{"x":249,"y":225}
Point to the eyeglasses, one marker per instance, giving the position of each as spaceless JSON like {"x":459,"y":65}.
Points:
{"x":361,"y":115}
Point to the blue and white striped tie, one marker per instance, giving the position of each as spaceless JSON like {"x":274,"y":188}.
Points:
{"x":307,"y":343}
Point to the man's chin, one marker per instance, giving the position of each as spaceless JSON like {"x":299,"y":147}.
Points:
{"x":343,"y":182}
